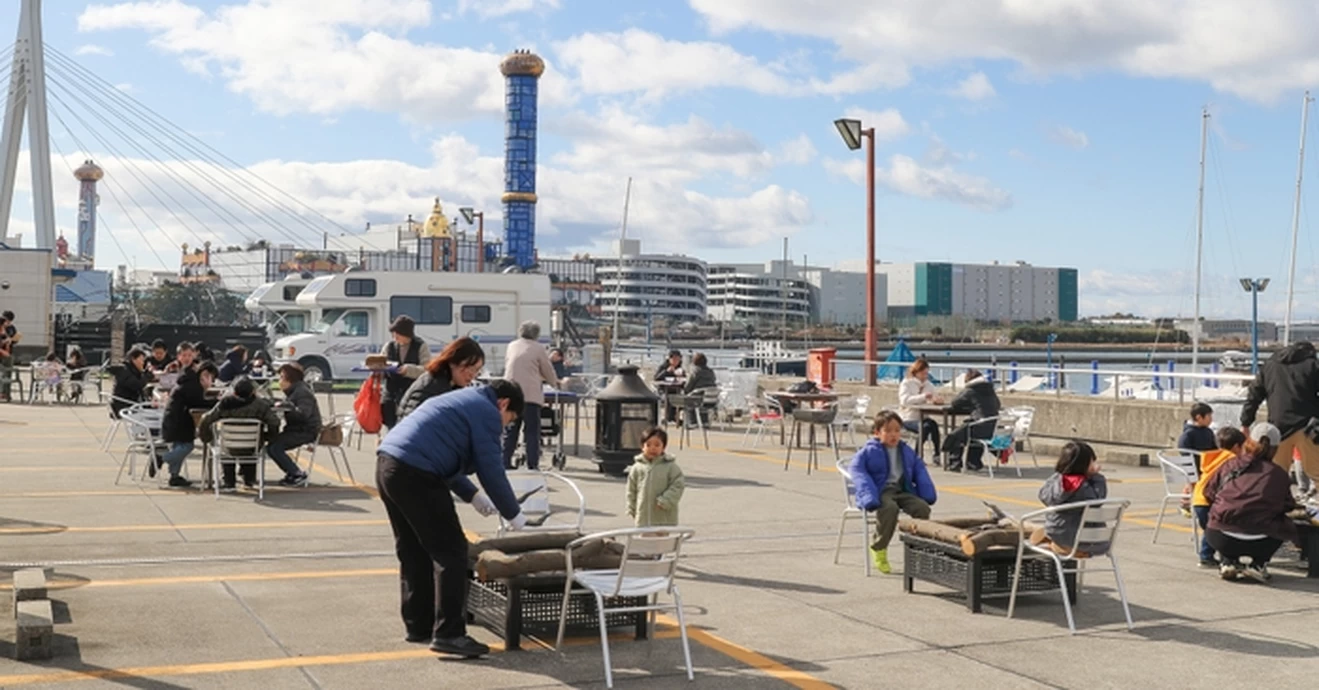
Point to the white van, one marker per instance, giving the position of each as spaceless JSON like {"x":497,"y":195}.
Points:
{"x":277,"y":306}
{"x":357,"y":307}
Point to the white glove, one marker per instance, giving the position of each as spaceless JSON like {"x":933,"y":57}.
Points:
{"x":483,"y":504}
{"x":518,"y":522}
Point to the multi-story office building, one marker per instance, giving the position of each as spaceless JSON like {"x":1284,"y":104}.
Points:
{"x":986,"y":292}
{"x":772,"y":292}
{"x":645,"y":286}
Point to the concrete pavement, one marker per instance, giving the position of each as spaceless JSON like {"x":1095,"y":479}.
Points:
{"x":162,"y":589}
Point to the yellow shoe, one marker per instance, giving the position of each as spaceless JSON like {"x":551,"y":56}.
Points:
{"x":880,"y":558}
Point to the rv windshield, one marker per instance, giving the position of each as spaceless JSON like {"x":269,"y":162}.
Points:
{"x":327,"y":320}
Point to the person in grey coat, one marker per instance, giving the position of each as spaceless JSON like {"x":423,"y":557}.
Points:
{"x":1076,"y":479}
{"x":701,"y":378}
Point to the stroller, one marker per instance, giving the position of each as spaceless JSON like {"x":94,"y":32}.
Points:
{"x":551,"y":434}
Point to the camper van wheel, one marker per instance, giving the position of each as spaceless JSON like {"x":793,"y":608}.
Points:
{"x":315,"y":369}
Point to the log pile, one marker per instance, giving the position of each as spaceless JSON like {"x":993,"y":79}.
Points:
{"x":973,"y":535}
{"x":502,"y":558}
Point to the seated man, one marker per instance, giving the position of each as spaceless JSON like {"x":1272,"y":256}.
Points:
{"x":302,"y":423}
{"x":241,"y":402}
{"x":978,"y":402}
{"x":889,"y":477}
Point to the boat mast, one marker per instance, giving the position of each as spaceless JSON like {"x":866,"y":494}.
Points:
{"x":1199,"y":240}
{"x":618,"y":276}
{"x":1296,"y":222}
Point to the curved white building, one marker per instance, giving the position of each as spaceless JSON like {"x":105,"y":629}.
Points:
{"x":650,"y":285}
{"x":758,"y":293}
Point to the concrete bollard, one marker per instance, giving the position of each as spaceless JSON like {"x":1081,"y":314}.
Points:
{"x":29,"y":585}
{"x":35,"y":638}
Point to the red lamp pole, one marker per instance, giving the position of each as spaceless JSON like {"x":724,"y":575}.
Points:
{"x":480,"y":241}
{"x":869,"y":135}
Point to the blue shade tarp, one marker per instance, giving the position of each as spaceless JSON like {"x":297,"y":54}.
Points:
{"x":895,"y":365}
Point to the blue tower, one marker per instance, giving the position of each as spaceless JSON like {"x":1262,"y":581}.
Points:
{"x":522,"y":70}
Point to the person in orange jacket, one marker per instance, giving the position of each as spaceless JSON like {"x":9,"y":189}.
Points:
{"x":1230,"y":445}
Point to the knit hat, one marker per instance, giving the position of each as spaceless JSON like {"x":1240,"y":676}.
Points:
{"x":403,"y":326}
{"x":1264,"y":430}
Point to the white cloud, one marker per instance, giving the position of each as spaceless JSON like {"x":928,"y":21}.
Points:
{"x":975,"y":87}
{"x":500,"y":8}
{"x":636,"y":60}
{"x":906,"y":176}
{"x":1020,"y":155}
{"x":92,"y":49}
{"x":1066,"y":136}
{"x":888,"y":123}
{"x":799,"y":151}
{"x":344,"y":54}
{"x":1256,"y":49}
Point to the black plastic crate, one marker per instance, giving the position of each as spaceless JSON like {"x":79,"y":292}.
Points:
{"x":986,"y":574}
{"x":532,"y":604}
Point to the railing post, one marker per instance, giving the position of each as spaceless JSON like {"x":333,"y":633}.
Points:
{"x":1217,"y":382}
{"x":1157,"y":382}
{"x":1061,"y":380}
{"x":1171,"y":366}
{"x":1094,"y":377}
{"x":1117,"y":388}
{"x":1012,"y":372}
{"x":993,"y":367}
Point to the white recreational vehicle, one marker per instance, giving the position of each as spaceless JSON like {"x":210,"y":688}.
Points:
{"x":276,"y":304}
{"x":357,"y":307}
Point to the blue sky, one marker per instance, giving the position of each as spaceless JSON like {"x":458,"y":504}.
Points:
{"x":1064,"y":133}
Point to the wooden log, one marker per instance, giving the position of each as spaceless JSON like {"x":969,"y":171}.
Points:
{"x":521,"y":543}
{"x":973,"y":535}
{"x":979,"y":542}
{"x":496,"y":565}
{"x":930,"y":529}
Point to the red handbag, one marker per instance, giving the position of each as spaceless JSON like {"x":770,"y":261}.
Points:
{"x":366,"y":406}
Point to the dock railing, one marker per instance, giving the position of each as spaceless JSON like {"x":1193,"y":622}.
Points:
{"x":1121,"y":384}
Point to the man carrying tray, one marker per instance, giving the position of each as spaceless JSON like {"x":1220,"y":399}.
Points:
{"x":428,"y":455}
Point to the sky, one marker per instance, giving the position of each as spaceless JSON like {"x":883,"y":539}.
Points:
{"x":1057,"y":132}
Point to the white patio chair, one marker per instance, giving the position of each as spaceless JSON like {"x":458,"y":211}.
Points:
{"x":537,"y":506}
{"x":649,"y":561}
{"x":1004,"y":439}
{"x":761,"y":414}
{"x":851,"y":511}
{"x":75,"y":391}
{"x":115,"y":422}
{"x":332,"y":447}
{"x":690,"y":408}
{"x":46,"y":379}
{"x":239,"y":441}
{"x":142,"y":424}
{"x":1099,"y":526}
{"x":1179,"y":475}
{"x":1025,"y":416}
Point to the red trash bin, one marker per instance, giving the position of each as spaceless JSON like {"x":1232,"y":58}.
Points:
{"x":820,"y":366}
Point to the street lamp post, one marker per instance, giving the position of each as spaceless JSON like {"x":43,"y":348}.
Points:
{"x":1254,"y":287}
{"x":852,"y":134}
{"x":469,"y":214}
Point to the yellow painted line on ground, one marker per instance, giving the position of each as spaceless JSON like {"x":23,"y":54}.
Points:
{"x":364,"y":488}
{"x":732,"y":650}
{"x":92,"y":448}
{"x":972,"y":493}
{"x":1166,"y":524}
{"x":58,"y":468}
{"x":750,"y":657}
{"x":210,"y":526}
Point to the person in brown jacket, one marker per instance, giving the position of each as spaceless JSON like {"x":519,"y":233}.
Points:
{"x":1249,"y":499}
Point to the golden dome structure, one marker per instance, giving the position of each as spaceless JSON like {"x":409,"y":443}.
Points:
{"x":523,"y":63}
{"x":89,"y":171}
{"x":437,"y":225}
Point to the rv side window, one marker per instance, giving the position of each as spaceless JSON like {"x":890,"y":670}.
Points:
{"x":359,"y":287}
{"x":291,"y":292}
{"x":476,"y":313}
{"x":425,"y":311}
{"x":355,"y":324}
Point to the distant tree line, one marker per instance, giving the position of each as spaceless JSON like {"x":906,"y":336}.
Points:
{"x":1097,"y":334}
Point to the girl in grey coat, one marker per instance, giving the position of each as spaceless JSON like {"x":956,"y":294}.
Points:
{"x":1076,"y":479}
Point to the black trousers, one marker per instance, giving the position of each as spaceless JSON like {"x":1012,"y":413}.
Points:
{"x":431,"y":548}
{"x":958,"y":440}
{"x":1259,"y":550}
{"x":927,"y":428}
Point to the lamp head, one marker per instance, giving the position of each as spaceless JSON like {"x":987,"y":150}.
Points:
{"x":469,"y":214}
{"x":1263,"y":283}
{"x":1246,"y":284}
{"x":850,"y":131}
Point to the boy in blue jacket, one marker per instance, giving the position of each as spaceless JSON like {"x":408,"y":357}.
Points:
{"x":889,"y":477}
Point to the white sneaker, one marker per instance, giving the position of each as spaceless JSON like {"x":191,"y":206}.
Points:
{"x":1259,"y":574}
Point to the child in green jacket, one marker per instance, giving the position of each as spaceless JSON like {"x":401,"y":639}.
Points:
{"x":654,"y":483}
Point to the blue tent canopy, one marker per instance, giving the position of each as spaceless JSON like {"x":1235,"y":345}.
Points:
{"x":895,"y":364}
